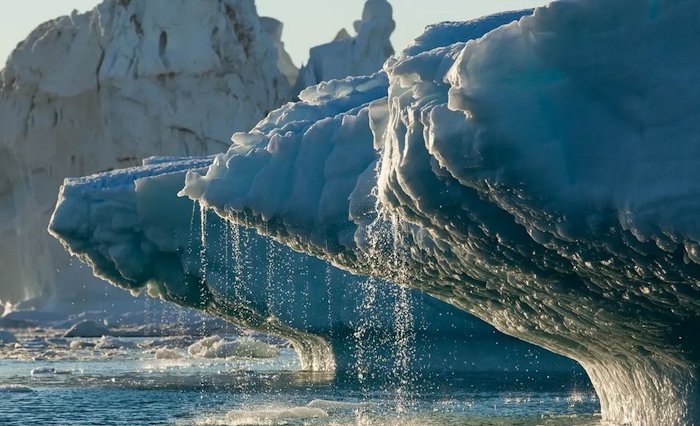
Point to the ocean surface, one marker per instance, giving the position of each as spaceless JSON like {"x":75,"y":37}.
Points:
{"x":53,"y":381}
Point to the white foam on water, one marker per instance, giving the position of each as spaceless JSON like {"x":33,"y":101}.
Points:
{"x":267,"y":416}
{"x":49,"y":371}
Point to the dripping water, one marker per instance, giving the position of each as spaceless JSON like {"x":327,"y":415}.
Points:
{"x":247,"y":264}
{"x":272,"y":260}
{"x":236,"y":257}
{"x":387,"y":248}
{"x":329,"y":296}
{"x":203,"y":245}
{"x":404,"y":333}
{"x":203,"y":278}
{"x":303,"y":273}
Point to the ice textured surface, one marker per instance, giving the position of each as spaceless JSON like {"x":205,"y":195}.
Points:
{"x":134,"y":231}
{"x":542,"y":177}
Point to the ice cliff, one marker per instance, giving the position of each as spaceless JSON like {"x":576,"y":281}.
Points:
{"x":543,"y":178}
{"x":95,"y":91}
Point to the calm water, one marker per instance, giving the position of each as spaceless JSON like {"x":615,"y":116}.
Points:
{"x":44,"y":381}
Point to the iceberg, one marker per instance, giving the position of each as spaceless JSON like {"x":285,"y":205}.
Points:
{"x":134,"y":231}
{"x":542,"y":177}
{"x":101,"y":90}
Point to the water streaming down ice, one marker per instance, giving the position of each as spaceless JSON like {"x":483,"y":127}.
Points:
{"x":294,"y":295}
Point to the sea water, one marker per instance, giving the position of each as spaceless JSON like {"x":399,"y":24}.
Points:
{"x":46,"y":380}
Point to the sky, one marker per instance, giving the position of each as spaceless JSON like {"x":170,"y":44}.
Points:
{"x":307,"y":22}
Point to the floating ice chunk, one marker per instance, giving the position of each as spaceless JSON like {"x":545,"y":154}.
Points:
{"x":81,"y":344}
{"x":247,"y":347}
{"x":244,"y":347}
{"x":49,"y":371}
{"x":109,"y":342}
{"x":167,"y":353}
{"x":88,"y":328}
{"x":15,"y":389}
{"x":7,"y":337}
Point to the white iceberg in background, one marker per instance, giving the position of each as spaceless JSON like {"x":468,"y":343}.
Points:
{"x":543,"y":177}
{"x":101,"y":90}
{"x":345,"y":56}
{"x":273,"y":27}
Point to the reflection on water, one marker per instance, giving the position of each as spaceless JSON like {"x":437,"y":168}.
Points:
{"x":120,"y":382}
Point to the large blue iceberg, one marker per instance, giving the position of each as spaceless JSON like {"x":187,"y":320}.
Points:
{"x":135,"y":232}
{"x":542,"y":177}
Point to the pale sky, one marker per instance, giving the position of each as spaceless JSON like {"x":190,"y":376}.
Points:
{"x":307,"y":22}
